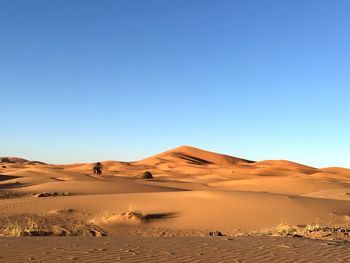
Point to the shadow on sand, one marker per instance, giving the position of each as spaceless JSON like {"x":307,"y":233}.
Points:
{"x":4,"y":177}
{"x":5,"y":186}
{"x":159,"y":216}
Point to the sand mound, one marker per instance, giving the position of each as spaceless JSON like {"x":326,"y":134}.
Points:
{"x":336,"y":170}
{"x":283,"y":164}
{"x":17,"y":160}
{"x":281,"y":184}
{"x":130,"y":217}
{"x":192,"y":156}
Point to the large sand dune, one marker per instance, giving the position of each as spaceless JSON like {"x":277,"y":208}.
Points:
{"x":193,"y":192}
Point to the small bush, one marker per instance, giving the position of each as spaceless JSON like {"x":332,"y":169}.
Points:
{"x":134,"y":213}
{"x":286,"y":230}
{"x":147,"y":175}
{"x":97,"y":169}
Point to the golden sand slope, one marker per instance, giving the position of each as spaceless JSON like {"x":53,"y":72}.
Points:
{"x":193,"y":190}
{"x":190,"y":155}
{"x":198,"y":210}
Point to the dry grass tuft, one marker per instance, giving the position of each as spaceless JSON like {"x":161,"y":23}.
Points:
{"x":285,"y":230}
{"x":312,"y":231}
{"x":45,"y":225}
{"x":9,"y":194}
{"x":133,"y":216}
{"x":135,"y":213}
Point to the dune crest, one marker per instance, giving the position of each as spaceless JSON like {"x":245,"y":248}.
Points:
{"x":192,"y":156}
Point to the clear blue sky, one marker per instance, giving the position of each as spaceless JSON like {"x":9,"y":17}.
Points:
{"x":95,"y":80}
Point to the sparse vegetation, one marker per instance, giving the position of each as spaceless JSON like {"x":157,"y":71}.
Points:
{"x":285,"y":230}
{"x":51,"y":194}
{"x":4,"y":194}
{"x":135,"y":213}
{"x":9,"y":194}
{"x":45,"y":225}
{"x":132,"y":216}
{"x":308,"y":231}
{"x":147,"y":175}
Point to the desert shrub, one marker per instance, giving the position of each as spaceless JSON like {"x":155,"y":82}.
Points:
{"x":286,"y":230}
{"x":97,"y":169}
{"x":133,"y":212}
{"x":147,"y":175}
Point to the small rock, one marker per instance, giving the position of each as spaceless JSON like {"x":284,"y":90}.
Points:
{"x":46,"y":194}
{"x":216,"y":233}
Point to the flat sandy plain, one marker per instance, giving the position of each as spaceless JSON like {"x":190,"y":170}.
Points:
{"x":268,"y":211}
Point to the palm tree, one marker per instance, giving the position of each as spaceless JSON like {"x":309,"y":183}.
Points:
{"x":97,"y":168}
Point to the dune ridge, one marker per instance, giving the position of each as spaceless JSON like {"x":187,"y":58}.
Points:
{"x":193,"y":194}
{"x":202,"y":190}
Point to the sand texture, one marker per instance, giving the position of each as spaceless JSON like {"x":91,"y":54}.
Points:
{"x":175,"y":249}
{"x":260,"y":206}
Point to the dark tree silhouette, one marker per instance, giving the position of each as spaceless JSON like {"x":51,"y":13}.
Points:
{"x":147,"y":175}
{"x":97,"y":168}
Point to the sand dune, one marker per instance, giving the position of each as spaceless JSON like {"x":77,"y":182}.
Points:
{"x":283,"y":185}
{"x":193,"y":192}
{"x":186,"y":164}
{"x":191,"y":155}
{"x":198,"y":210}
{"x":17,"y":160}
{"x":336,"y":170}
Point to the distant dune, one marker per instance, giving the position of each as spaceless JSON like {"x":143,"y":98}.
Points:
{"x":192,"y":156}
{"x":12,"y":160}
{"x":193,"y":192}
{"x":18,"y":160}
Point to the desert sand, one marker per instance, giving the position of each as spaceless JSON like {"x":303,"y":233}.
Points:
{"x":172,"y":249}
{"x":272,"y":210}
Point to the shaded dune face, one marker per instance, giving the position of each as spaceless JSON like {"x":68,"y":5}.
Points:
{"x":191,"y":159}
{"x":192,"y":156}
